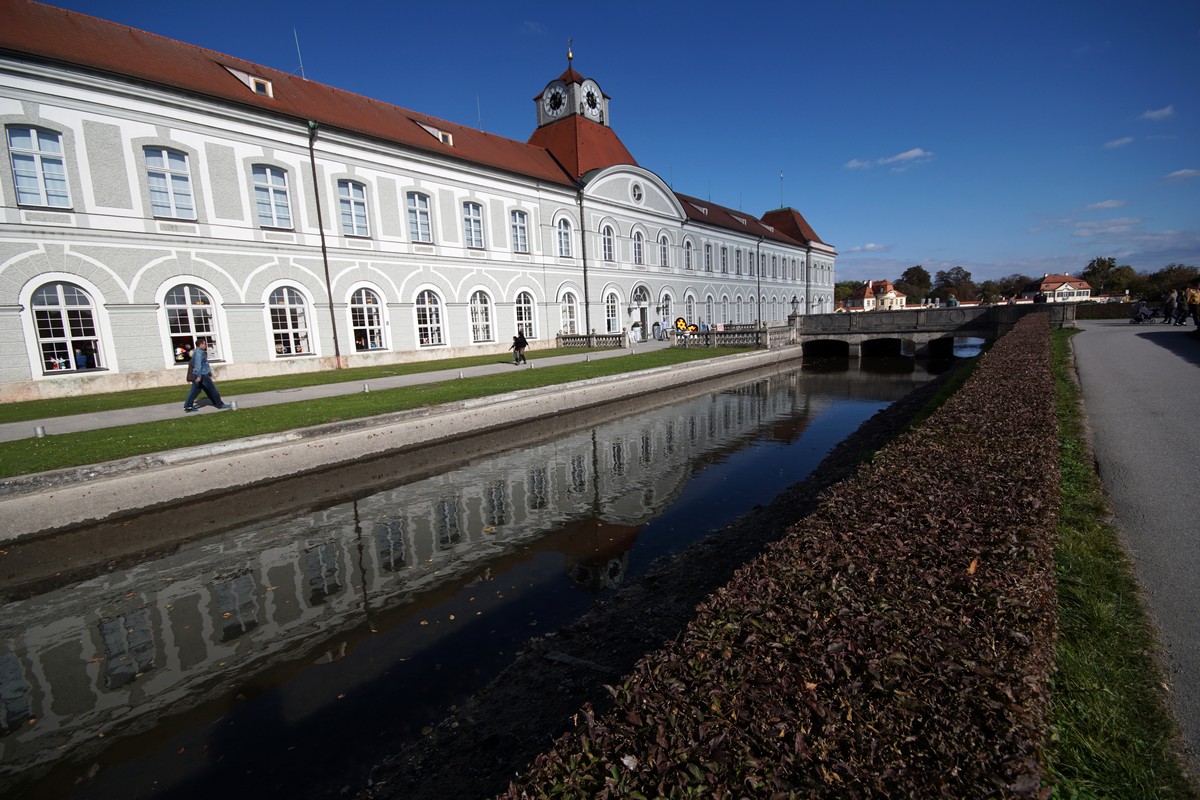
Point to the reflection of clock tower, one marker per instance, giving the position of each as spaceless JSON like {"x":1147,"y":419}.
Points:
{"x":571,"y":93}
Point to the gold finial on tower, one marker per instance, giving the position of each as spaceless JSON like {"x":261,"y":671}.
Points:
{"x":570,"y":55}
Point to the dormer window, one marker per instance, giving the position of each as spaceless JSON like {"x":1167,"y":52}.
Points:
{"x":260,"y":86}
{"x":442,"y":136}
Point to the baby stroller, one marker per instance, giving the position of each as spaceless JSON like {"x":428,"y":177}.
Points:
{"x":1139,"y":312}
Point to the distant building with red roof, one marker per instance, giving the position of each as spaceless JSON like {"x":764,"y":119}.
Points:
{"x":1058,"y":289}
{"x":876,"y":296}
{"x":157,"y":193}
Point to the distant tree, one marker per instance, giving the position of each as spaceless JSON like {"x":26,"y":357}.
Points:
{"x":843,"y":289}
{"x":1106,"y":278}
{"x":1156,"y":284}
{"x":915,"y":283}
{"x":955,"y":280}
{"x":1011,"y":285}
{"x":989,"y":292}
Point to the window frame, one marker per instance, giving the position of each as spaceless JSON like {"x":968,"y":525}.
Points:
{"x":519,"y":223}
{"x":608,"y":243}
{"x":418,"y":211}
{"x":197,"y":306}
{"x":366,"y":320}
{"x":169,"y":177}
{"x":664,"y":251}
{"x":66,"y":327}
{"x":639,"y":249}
{"x":569,"y":313}
{"x":564,"y":238}
{"x":612,"y":314}
{"x":276,"y":195}
{"x":687,"y":255}
{"x":352,"y":210}
{"x":430,"y":330}
{"x":295,"y":336}
{"x":472,"y":219}
{"x":480,"y":308}
{"x":40,"y":159}
{"x":525,"y":313}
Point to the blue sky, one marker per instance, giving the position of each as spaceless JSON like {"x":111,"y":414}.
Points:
{"x":1001,"y":137}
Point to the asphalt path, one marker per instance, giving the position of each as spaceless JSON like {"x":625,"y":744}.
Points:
{"x":1140,"y":385}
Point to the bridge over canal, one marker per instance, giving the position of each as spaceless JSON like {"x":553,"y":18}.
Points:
{"x":919,"y":332}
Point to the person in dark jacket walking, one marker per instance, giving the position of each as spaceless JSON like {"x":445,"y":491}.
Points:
{"x":202,"y":380}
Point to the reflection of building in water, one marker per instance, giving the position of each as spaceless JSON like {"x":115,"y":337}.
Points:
{"x":163,"y":636}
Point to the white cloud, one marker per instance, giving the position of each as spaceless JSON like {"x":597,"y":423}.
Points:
{"x":1108,"y":227}
{"x":1115,"y":143}
{"x":908,"y":156}
{"x":1159,"y":114}
{"x":916,"y":155}
{"x":869,"y":247}
{"x":533,"y":28}
{"x":1107,"y":204}
{"x":1180,"y":174}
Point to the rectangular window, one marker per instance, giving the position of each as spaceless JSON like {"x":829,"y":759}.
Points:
{"x":473,"y":225}
{"x":520,"y":232}
{"x":170,"y":184}
{"x":352,"y":202}
{"x":39,"y":171}
{"x":419,"y":229}
{"x":271,"y":197}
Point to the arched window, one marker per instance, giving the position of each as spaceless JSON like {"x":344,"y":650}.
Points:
{"x":737,"y":310}
{"x":707,"y":257}
{"x":289,"y":321}
{"x":689,"y":309}
{"x":429,"y":319}
{"x":525,"y":313}
{"x":39,"y":171}
{"x":190,"y":318}
{"x":687,"y":255}
{"x":708,"y":310}
{"x":66,"y":328}
{"x":666,"y":308}
{"x":607,"y":243}
{"x":725,"y":310}
{"x":564,"y":240}
{"x":774,"y":266}
{"x":611,"y":315}
{"x":639,"y":250}
{"x":366,"y":320}
{"x":170,"y":184}
{"x":724,"y":259}
{"x":481,"y":317}
{"x":664,"y":252}
{"x":352,"y":203}
{"x":569,"y":313}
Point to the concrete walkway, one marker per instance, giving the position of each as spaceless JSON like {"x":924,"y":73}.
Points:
{"x":1140,"y":384}
{"x":13,"y":431}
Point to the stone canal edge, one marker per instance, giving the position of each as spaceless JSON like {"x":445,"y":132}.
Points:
{"x":60,"y":500}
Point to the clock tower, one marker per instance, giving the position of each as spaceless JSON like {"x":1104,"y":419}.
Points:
{"x":572,"y":94}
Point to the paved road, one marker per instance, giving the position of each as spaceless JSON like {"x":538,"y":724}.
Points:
{"x":1140,"y":386}
{"x":107,"y":419}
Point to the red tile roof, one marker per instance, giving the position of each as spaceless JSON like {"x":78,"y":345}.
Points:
{"x":1051,"y":283}
{"x":793,"y":223}
{"x":56,"y":35}
{"x":581,"y":145}
{"x":874,"y":288}
{"x":712,"y":214}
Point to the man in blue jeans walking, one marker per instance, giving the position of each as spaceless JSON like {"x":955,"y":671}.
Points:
{"x":202,"y":379}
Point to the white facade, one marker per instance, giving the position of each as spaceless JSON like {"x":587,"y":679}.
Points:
{"x":135,"y":218}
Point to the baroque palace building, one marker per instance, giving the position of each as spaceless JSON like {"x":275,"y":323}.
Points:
{"x":154,"y":192}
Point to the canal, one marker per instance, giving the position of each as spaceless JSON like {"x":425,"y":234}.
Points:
{"x":267,"y":639}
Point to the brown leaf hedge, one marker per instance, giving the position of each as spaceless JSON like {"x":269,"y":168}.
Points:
{"x":896,"y":643}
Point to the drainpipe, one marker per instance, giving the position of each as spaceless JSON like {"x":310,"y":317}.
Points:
{"x":312,"y":137}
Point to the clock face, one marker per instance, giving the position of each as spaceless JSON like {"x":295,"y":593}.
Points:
{"x":591,"y":99}
{"x":554,"y":101}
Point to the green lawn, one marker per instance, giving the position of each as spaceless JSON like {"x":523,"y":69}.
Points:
{"x":105,"y":444}
{"x":1114,"y":738}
